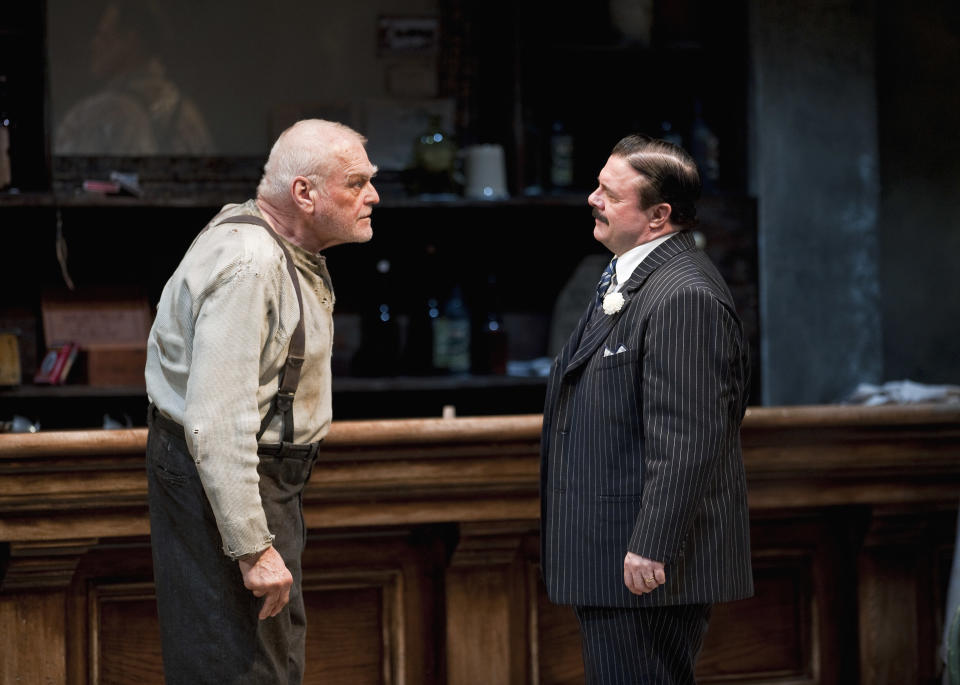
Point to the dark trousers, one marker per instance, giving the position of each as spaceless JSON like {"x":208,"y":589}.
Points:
{"x":654,"y":646}
{"x":208,"y":620}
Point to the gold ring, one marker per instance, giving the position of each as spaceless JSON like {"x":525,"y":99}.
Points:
{"x":649,"y":580}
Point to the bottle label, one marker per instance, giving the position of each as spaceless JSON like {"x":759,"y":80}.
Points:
{"x":451,"y":344}
{"x":561,"y":162}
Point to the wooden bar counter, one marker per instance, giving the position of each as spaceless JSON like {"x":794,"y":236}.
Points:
{"x":422,"y":560}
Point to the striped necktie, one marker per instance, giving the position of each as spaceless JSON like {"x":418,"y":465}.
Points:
{"x":608,"y":278}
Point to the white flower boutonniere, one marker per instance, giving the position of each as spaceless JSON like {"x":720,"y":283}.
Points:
{"x":612,"y":303}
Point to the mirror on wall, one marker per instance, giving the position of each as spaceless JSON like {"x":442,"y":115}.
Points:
{"x":196,"y":78}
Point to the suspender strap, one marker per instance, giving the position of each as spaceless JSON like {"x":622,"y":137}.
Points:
{"x":290,"y":376}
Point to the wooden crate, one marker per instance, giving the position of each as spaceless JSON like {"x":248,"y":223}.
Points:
{"x":111,"y":331}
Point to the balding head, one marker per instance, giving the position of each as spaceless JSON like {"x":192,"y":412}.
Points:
{"x":310,"y":148}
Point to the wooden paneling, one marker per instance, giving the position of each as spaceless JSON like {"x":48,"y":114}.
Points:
{"x":355,"y":635}
{"x":351,"y":636}
{"x":124,"y":635}
{"x":768,"y":636}
{"x":901,"y":588}
{"x":421,"y":565}
{"x":487,"y":618}
{"x":559,"y":656}
{"x":33,"y":630}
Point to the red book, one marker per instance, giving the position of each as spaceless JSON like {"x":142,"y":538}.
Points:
{"x":56,"y":364}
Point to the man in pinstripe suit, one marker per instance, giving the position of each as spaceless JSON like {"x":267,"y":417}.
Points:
{"x":643,"y":495}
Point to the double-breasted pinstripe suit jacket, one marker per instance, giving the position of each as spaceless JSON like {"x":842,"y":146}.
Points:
{"x":640,"y":449}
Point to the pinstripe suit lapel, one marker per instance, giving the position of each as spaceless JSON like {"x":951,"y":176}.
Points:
{"x":591,"y":335}
{"x":595,"y":332}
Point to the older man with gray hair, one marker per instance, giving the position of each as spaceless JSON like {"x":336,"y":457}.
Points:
{"x":238,"y":376}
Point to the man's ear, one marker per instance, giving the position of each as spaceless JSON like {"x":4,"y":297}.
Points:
{"x":304,"y":194}
{"x":660,"y":216}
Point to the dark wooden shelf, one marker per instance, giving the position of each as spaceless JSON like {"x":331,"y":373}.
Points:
{"x":64,"y":407}
{"x":215,"y":198}
{"x":431,"y":383}
{"x":71,"y":391}
{"x":218,"y":198}
{"x":340,"y":384}
{"x":201,"y":198}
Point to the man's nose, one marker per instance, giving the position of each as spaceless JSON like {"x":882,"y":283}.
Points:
{"x":593,"y":199}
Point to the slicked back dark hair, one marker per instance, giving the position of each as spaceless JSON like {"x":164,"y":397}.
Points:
{"x":669,"y":175}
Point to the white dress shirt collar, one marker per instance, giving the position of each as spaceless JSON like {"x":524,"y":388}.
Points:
{"x":630,"y":260}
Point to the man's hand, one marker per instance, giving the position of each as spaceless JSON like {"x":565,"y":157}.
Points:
{"x":642,"y":575}
{"x":267,"y":576}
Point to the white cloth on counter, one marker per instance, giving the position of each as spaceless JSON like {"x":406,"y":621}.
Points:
{"x":903,"y":392}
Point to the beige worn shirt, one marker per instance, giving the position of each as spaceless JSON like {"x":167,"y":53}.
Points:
{"x":215,"y":353}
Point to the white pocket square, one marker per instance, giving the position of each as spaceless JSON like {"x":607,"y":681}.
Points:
{"x":608,"y":353}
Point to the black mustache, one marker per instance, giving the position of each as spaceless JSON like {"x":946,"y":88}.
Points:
{"x":597,"y":215}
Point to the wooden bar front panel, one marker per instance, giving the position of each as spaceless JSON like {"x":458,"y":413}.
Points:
{"x":422,"y":559}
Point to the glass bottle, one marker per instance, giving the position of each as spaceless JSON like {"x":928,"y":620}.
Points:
{"x":561,"y":157}
{"x":6,"y":174}
{"x":379,"y":349}
{"x":434,"y":158}
{"x":490,"y":357}
{"x":451,"y":342}
{"x":423,"y":312}
{"x":705,"y":148}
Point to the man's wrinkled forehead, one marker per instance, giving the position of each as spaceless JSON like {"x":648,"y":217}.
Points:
{"x":352,"y":161}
